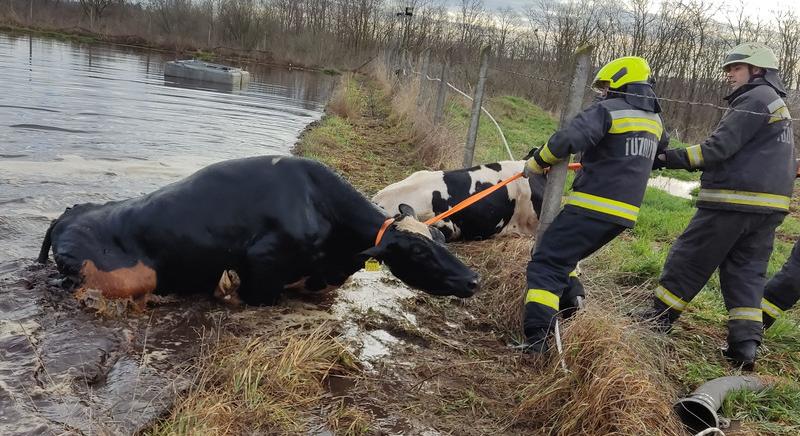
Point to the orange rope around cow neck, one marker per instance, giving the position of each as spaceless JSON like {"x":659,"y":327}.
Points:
{"x":478,"y":196}
{"x":382,"y":230}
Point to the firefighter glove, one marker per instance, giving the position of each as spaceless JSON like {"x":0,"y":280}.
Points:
{"x":660,"y":161}
{"x":532,"y":168}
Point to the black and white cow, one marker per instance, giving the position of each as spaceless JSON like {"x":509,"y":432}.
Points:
{"x":510,"y":209}
{"x":276,"y":221}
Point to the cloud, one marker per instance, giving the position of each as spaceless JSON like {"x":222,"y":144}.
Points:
{"x":491,"y":5}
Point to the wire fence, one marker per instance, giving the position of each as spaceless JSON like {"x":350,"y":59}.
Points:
{"x":406,"y":68}
{"x":660,"y":99}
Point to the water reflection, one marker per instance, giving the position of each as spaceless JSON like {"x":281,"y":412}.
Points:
{"x":95,"y":123}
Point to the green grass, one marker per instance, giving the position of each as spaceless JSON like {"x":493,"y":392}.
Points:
{"x":203,"y":56}
{"x":367,"y":146}
{"x":61,"y":36}
{"x":692,"y":176}
{"x":637,"y":257}
{"x":775,"y":408}
{"x":524,"y":125}
{"x":639,"y":254}
{"x":332,"y":132}
{"x":790,"y":228}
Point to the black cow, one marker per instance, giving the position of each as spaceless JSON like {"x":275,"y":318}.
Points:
{"x":513,"y":208}
{"x":276,"y":221}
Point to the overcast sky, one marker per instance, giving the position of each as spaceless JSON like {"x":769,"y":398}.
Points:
{"x":755,"y":8}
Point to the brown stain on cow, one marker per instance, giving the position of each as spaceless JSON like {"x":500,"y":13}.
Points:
{"x":135,"y":281}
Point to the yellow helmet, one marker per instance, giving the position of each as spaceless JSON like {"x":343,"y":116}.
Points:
{"x":622,"y":71}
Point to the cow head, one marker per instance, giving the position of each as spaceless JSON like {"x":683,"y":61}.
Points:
{"x":415,"y":253}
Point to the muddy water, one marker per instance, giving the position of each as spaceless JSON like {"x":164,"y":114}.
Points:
{"x":65,"y":370}
{"x":94,"y":123}
{"x":83,"y":123}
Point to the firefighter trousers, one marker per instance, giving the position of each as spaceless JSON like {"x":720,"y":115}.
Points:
{"x":739,"y":244}
{"x":570,"y":238}
{"x":783,"y":290}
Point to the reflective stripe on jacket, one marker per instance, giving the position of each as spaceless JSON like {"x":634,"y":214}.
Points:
{"x":619,"y":143}
{"x":748,"y":162}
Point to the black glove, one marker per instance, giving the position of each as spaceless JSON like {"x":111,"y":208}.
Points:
{"x":660,"y":161}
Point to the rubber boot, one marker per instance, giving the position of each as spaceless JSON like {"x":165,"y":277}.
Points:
{"x":659,"y":320}
{"x":742,"y":354}
{"x":569,"y":303}
{"x":535,"y":343}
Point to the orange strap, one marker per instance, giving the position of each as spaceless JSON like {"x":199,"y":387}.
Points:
{"x":478,"y":196}
{"x":382,"y":230}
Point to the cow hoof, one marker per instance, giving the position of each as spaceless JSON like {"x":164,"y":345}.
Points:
{"x":228,"y":287}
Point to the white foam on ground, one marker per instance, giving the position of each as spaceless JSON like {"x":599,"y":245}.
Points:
{"x":372,"y":291}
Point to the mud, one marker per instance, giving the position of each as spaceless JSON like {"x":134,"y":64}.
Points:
{"x":66,"y":370}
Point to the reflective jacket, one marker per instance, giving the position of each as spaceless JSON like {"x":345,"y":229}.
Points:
{"x":748,"y":162}
{"x":619,"y":142}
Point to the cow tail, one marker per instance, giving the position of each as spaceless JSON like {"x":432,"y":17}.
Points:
{"x":45,"y":250}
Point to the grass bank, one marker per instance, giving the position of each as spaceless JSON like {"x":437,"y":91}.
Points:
{"x":183,"y":49}
{"x":457,"y":373}
{"x":619,"y":277}
{"x":692,"y":350}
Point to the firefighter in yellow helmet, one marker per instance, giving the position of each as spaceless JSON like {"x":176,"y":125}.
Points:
{"x":748,"y":169}
{"x":619,"y":136}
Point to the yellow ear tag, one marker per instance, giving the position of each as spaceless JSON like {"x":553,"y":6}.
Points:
{"x":372,"y":265}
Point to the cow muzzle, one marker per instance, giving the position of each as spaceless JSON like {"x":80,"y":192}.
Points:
{"x":465,"y":287}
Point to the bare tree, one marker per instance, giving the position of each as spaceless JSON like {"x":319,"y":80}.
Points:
{"x":506,"y":24}
{"x":94,"y":9}
{"x":788,"y":29}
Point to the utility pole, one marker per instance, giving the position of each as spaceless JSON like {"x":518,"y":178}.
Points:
{"x":402,"y":43}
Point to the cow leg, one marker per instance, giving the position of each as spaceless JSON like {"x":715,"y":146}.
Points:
{"x":260,"y":287}
{"x":261,"y":280}
{"x":332,"y":273}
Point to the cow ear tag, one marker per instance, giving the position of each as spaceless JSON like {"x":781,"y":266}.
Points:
{"x":372,"y":265}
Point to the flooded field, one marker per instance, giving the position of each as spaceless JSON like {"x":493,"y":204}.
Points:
{"x":87,"y":123}
{"x":83,"y":123}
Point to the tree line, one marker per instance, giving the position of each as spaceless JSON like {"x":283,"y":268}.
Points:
{"x":684,"y":40}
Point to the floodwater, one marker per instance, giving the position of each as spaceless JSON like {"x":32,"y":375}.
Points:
{"x":90,"y":123}
{"x":83,"y":123}
{"x":678,"y":188}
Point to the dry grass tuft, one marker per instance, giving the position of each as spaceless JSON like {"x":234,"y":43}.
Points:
{"x":614,"y":385}
{"x":346,"y":100}
{"x":350,"y":420}
{"x":436,"y":147}
{"x":501,"y":263}
{"x":385,"y":82}
{"x":259,"y":384}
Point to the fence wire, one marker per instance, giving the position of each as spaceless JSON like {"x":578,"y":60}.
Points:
{"x":499,"y":130}
{"x":660,"y":99}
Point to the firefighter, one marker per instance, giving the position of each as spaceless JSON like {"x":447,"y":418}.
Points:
{"x":783,"y":290}
{"x":619,"y":136}
{"x":748,"y":172}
